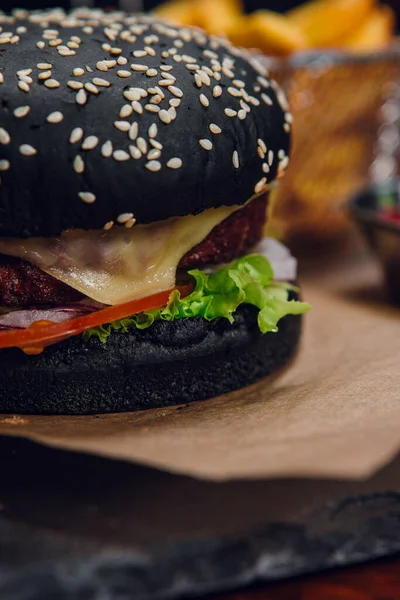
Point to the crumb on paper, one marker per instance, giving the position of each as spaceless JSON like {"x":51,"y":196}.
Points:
{"x":14,"y":420}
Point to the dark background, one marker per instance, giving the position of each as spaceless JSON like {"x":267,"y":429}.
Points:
{"x":250,"y":5}
{"x":278,"y":5}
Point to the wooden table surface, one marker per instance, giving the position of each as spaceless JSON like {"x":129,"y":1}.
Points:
{"x":374,"y":581}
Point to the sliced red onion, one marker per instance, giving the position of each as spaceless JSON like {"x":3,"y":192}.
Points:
{"x":21,"y":319}
{"x":283,"y":263}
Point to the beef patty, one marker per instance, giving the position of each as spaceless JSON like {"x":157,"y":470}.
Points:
{"x":23,"y":285}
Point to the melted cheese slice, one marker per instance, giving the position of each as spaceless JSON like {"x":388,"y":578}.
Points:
{"x":121,"y":264}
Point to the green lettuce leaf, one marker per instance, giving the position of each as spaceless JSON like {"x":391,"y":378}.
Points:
{"x":248,"y":280}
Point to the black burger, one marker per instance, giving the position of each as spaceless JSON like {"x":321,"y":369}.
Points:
{"x":135,"y":161}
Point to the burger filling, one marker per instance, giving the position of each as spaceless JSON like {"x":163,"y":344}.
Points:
{"x":98,"y":282}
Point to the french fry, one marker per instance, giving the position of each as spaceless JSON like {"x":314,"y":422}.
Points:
{"x":270,"y":32}
{"x":326,"y":22}
{"x":180,"y":11}
{"x":376,"y":32}
{"x":218,"y":17}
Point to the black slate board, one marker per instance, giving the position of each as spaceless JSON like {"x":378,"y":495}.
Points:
{"x":77,"y":527}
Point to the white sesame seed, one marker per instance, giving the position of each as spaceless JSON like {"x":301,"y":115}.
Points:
{"x":123,"y":74}
{"x":24,"y":86}
{"x":76,"y":39}
{"x":21,"y":30}
{"x":266,"y":99}
{"x":262,"y":145}
{"x":281,"y":154}
{"x":204,"y":76}
{"x":230,"y":112}
{"x":78,"y":164}
{"x":124,"y":217}
{"x":90,"y":142}
{"x":44,"y":75}
{"x":139,"y":53}
{"x":55,"y":117}
{"x":164,"y":54}
{"x":121,"y":60}
{"x":120,"y":155}
{"x":40,"y":45}
{"x":265,"y":168}
{"x":175,"y":91}
{"x":21,"y":111}
{"x":263,"y":81}
{"x":284,"y":163}
{"x":5,"y":137}
{"x":81,"y":97}
{"x":137,"y":107}
{"x":4,"y":165}
{"x":142,"y":145}
{"x":76,"y":135}
{"x":27,"y":150}
{"x":90,"y":87}
{"x":166,"y":82}
{"x":168,"y":76}
{"x":109,"y":63}
{"x":164,"y":116}
{"x":26,"y":78}
{"x":87,"y":197}
{"x":135,"y":152}
{"x":88,"y":30}
{"x":151,"y":72}
{"x":153,"y":165}
{"x":156,"y":99}
{"x":166,"y":67}
{"x":214,"y":128}
{"x":116,"y":51}
{"x":54,"y":42}
{"x":1,"y":78}
{"x":101,"y":66}
{"x":260,"y":185}
{"x":260,"y":153}
{"x":153,"y":130}
{"x":133,"y":131}
{"x":238,"y":83}
{"x":234,"y":92}
{"x":175,"y":102}
{"x":108,"y":225}
{"x":172,"y":112}
{"x":174,"y":163}
{"x":130,"y":223}
{"x":178,"y":43}
{"x":131,"y":95}
{"x":52,"y":83}
{"x":286,"y":127}
{"x":78,"y":71}
{"x":242,"y":114}
{"x":122,"y":125}
{"x":23,"y":72}
{"x":204,"y":100}
{"x":206,"y":144}
{"x":107,"y":149}
{"x":235,"y":159}
{"x":217,"y":91}
{"x":136,"y":67}
{"x":153,"y":154}
{"x":270,"y":157}
{"x":126,"y":111}
{"x":156,"y":144}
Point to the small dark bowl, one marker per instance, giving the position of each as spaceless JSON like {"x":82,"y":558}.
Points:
{"x":372,"y":209}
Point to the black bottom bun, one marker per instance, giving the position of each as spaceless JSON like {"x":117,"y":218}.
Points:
{"x":169,"y":363}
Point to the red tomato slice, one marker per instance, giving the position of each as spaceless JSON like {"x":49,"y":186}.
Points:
{"x":45,"y":333}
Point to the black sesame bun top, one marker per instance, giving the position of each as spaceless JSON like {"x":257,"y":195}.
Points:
{"x":107,"y":117}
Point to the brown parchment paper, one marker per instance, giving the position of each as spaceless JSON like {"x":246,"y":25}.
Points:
{"x":335,"y":412}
